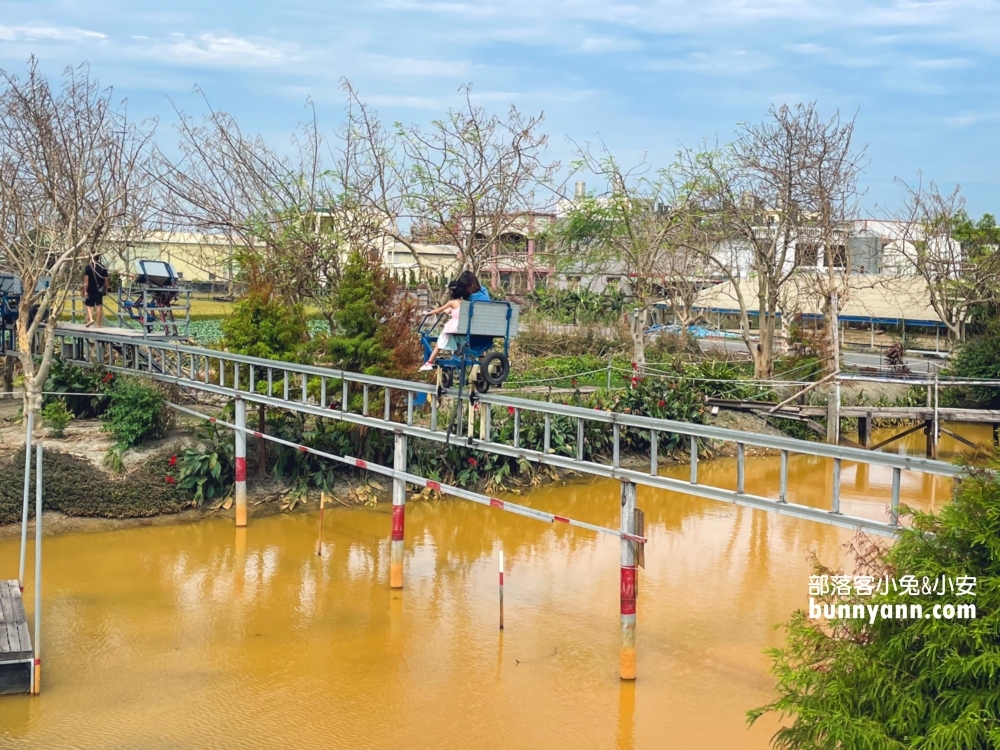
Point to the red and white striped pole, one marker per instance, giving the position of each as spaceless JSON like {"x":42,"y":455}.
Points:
{"x":628,"y":592}
{"x":501,"y":589}
{"x":241,"y":462}
{"x":398,"y":513}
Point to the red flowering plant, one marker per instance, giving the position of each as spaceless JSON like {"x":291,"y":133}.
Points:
{"x":661,"y":397}
{"x":470,"y":474}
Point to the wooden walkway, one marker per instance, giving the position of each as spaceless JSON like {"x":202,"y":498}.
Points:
{"x":16,"y":653}
{"x":911,"y":413}
{"x":922,"y":418}
{"x":134,"y":333}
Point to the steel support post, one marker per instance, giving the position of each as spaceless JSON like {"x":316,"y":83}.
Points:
{"x":241,"y":463}
{"x":36,"y":683}
{"x":628,"y":592}
{"x":27,"y":491}
{"x":398,"y":513}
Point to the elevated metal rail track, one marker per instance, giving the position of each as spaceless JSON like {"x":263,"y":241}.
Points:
{"x":330,"y":394}
{"x":394,"y":406}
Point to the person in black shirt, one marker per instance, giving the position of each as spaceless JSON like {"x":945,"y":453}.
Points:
{"x":95,"y":286}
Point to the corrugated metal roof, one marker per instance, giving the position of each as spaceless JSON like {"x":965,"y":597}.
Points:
{"x":862,"y":298}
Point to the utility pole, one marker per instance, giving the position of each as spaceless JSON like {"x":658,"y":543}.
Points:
{"x":833,"y":408}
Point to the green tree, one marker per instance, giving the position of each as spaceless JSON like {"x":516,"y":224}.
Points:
{"x":980,"y":241}
{"x":261,"y":326}
{"x":922,"y":683}
{"x":374,"y":330}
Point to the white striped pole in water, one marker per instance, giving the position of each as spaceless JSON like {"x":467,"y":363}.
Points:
{"x":501,"y":589}
{"x":628,"y":593}
{"x":398,"y":512}
{"x":419,"y":481}
{"x":241,"y":462}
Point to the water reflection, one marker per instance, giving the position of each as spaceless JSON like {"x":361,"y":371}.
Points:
{"x":197,"y":635}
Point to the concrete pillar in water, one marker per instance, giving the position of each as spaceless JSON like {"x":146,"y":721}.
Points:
{"x":628,"y":592}
{"x":398,"y":514}
{"x":241,"y":462}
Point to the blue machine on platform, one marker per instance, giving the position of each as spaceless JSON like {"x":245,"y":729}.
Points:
{"x":150,"y":295}
{"x":11,"y":291}
{"x":481,"y":325}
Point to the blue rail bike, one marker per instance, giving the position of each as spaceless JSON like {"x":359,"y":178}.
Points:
{"x":485,"y":330}
{"x":10,"y":309}
{"x":149,"y":296}
{"x":11,"y":299}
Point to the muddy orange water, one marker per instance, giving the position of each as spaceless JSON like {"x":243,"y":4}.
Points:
{"x":197,"y":635}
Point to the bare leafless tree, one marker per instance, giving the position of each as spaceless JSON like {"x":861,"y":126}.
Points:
{"x":640,"y":228}
{"x":469,"y":179}
{"x":73,"y":183}
{"x":278,"y":212}
{"x":958,"y":278}
{"x":784,"y":188}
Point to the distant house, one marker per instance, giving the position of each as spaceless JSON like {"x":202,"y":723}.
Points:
{"x":195,"y":256}
{"x":438,"y":260}
{"x":516,"y":261}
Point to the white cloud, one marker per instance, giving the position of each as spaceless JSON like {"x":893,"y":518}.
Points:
{"x":458,"y":9}
{"x":213,"y":50}
{"x":967,"y":119}
{"x":50,"y":33}
{"x":409,"y":67}
{"x":600,"y":44}
{"x":948,"y":63}
{"x":718,"y":62}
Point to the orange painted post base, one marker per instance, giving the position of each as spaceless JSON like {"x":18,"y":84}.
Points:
{"x":628,"y":590}
{"x":398,"y":514}
{"x":241,"y":463}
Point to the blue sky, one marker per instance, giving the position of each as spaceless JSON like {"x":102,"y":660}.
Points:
{"x":647,"y":75}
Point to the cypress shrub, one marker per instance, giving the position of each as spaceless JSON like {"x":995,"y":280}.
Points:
{"x":922,"y":683}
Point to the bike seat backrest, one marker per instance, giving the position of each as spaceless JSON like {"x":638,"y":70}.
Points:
{"x":488,"y":319}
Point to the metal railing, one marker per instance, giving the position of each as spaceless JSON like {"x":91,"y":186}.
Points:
{"x":172,"y":320}
{"x":354,"y":397}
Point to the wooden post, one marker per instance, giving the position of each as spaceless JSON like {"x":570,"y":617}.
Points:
{"x":398,"y":514}
{"x":937,"y":419}
{"x":27,"y":491}
{"x":241,"y":462}
{"x":930,"y":442}
{"x":627,"y":592}
{"x":865,"y":430}
{"x":319,"y":536}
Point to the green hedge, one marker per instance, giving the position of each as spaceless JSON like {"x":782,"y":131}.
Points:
{"x":76,"y":487}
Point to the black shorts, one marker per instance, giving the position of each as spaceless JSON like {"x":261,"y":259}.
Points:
{"x":96,"y":300}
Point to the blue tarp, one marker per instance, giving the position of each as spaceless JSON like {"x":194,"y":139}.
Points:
{"x":699,"y":332}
